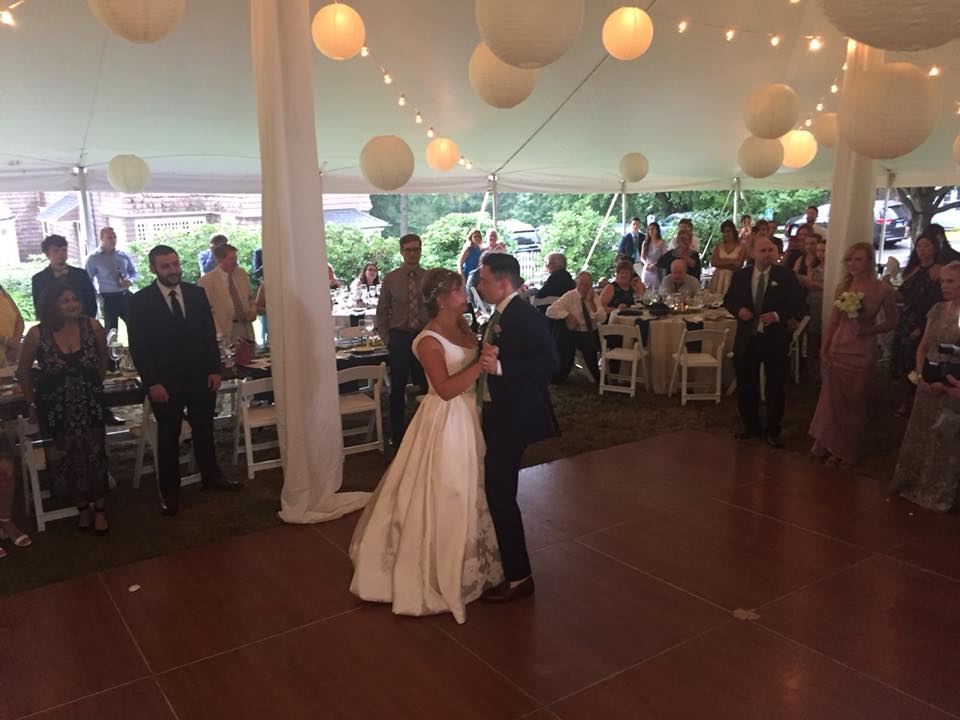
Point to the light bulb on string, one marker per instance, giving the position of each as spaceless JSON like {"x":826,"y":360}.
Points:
{"x":808,"y":123}
{"x":418,"y":118}
{"x":819,"y":107}
{"x":430,"y":132}
{"x":815,"y":44}
{"x":834,"y":88}
{"x":6,"y":17}
{"x":468,"y":165}
{"x":844,"y":67}
{"x":682,"y":26}
{"x":402,"y":100}
{"x":935,"y":71}
{"x":387,"y":79}
{"x":364,"y":51}
{"x":730,"y":34}
{"x":462,"y":161}
{"x":774,"y":40}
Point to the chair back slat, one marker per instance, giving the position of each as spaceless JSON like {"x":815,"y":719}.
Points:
{"x":361,"y":372}
{"x":248,"y":388}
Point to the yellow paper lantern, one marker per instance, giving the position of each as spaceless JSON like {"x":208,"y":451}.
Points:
{"x":824,"y":129}
{"x":760,"y":157}
{"x":771,"y":111}
{"x":139,"y":21}
{"x":529,"y":33}
{"x":627,"y":33}
{"x":956,"y":149}
{"x":338,"y":31}
{"x":128,"y":173}
{"x":634,"y":167}
{"x":496,"y":83}
{"x":901,"y":25}
{"x":799,"y":148}
{"x":442,"y":154}
{"x":889,"y":111}
{"x":386,"y":161}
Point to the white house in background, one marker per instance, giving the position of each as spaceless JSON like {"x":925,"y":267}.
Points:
{"x":26,"y":217}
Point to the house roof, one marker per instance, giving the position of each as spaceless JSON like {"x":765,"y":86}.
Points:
{"x":186,"y":103}
{"x":351,"y":216}
{"x":62,"y":209}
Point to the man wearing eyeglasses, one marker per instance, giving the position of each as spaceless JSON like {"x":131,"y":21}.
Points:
{"x":401,"y":315}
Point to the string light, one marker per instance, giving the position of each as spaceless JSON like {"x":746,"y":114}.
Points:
{"x":730,"y":34}
{"x":682,"y":27}
{"x":387,"y":79}
{"x":808,"y":123}
{"x":834,"y":88}
{"x":364,"y":51}
{"x":402,"y":100}
{"x":462,"y":161}
{"x":935,"y":71}
{"x":430,"y":132}
{"x":794,"y":2}
{"x":815,"y":44}
{"x":819,"y":107}
{"x":418,"y":118}
{"x":468,"y":165}
{"x":774,"y":40}
{"x":844,"y":68}
{"x":6,"y":17}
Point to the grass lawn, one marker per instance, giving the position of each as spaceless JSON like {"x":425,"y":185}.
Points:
{"x":588,"y":422}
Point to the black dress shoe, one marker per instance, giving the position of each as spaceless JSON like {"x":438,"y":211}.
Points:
{"x":774,"y":441}
{"x":746,"y":435}
{"x":504,"y":593}
{"x":111,"y":419}
{"x":169,"y":506}
{"x":222,"y":482}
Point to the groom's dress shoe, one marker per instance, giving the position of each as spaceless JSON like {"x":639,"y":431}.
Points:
{"x":222,"y":482}
{"x":504,"y":593}
{"x":169,"y":506}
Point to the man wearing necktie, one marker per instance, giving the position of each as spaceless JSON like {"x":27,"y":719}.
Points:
{"x":173,"y":343}
{"x":581,"y":312}
{"x":767,"y":301}
{"x":631,"y":242}
{"x":401,"y":316}
{"x":228,"y":292}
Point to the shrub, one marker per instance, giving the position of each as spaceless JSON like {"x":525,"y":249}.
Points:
{"x":348,"y":251}
{"x":444,"y":238}
{"x":572,"y":233}
{"x":16,"y":281}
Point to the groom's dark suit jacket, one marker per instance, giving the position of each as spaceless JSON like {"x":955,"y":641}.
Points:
{"x":529,"y":359}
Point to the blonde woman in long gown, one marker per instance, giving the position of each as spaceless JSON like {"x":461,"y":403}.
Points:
{"x":426,"y":543}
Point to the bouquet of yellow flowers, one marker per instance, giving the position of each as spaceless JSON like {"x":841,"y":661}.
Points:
{"x":850,"y":302}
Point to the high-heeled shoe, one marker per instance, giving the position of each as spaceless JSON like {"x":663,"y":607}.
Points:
{"x":22,"y":540}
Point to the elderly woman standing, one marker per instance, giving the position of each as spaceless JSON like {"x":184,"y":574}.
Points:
{"x":848,"y":354}
{"x":928,"y":471}
{"x":71,"y":350}
{"x":919,"y":292}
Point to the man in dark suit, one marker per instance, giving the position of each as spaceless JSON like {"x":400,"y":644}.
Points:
{"x":767,"y":301}
{"x":519,"y":357}
{"x":559,"y":280}
{"x":173,"y":342}
{"x":55,"y":248}
{"x":631,"y":242}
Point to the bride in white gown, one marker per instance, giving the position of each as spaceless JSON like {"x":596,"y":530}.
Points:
{"x":425,"y":542}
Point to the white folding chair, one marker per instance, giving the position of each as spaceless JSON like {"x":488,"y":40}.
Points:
{"x":544,"y":301}
{"x":684,"y":360}
{"x":146,"y":436}
{"x":364,"y":400}
{"x":250,"y":417}
{"x":798,"y":348}
{"x":631,"y":351}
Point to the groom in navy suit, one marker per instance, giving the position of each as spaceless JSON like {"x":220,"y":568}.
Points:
{"x":520,"y":357}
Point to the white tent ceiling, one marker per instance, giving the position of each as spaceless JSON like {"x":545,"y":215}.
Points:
{"x":186,"y":103}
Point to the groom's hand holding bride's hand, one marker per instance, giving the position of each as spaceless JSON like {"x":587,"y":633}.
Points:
{"x":488,"y":358}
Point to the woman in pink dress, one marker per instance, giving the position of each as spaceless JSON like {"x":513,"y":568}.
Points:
{"x":847,"y":356}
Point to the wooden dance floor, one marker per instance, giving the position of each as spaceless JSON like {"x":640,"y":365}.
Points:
{"x":685,"y":576}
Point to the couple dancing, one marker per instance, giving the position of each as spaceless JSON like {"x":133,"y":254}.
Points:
{"x":444,"y":527}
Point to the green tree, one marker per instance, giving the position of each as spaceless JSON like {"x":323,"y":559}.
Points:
{"x":924,"y":203}
{"x":348,"y":251}
{"x":16,"y":280}
{"x":444,"y":238}
{"x":572,"y":233}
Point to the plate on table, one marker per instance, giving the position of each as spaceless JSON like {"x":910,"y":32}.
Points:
{"x":366,"y":350}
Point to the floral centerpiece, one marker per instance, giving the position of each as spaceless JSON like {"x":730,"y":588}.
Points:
{"x":850,"y":302}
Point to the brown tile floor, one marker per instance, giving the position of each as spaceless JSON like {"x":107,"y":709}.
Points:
{"x":640,"y":552}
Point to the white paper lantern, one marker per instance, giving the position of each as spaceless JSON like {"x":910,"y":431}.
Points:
{"x":128,"y":173}
{"x":771,"y":111}
{"x":442,"y":154}
{"x":799,"y":148}
{"x":956,"y":149}
{"x":529,"y":33}
{"x":634,"y":167}
{"x":824,"y":129}
{"x":338,"y":31}
{"x":139,"y":21}
{"x":499,"y":84}
{"x":905,"y":25}
{"x":627,"y":33}
{"x":386,"y":162}
{"x":760,"y":157}
{"x":888,"y":111}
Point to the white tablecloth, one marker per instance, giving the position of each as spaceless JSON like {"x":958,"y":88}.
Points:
{"x":663,"y":340}
{"x":341,"y":316}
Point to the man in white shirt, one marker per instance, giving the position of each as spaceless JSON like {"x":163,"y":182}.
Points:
{"x":679,"y":281}
{"x":581,"y":312}
{"x":228,"y":290}
{"x":686,"y":226}
{"x":812,"y":213}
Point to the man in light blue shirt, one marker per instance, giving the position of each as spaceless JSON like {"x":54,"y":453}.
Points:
{"x":113,"y":272}
{"x":206,"y":258}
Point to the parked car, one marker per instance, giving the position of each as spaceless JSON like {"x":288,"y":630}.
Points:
{"x":897,"y":221}
{"x":525,"y":237}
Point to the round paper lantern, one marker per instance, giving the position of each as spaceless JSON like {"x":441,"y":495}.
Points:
{"x":338,"y":31}
{"x":128,"y":173}
{"x":139,"y":21}
{"x":771,"y":111}
{"x":824,"y":129}
{"x":760,"y":157}
{"x":499,"y":84}
{"x":904,"y":25}
{"x":529,"y":33}
{"x":889,"y":111}
{"x":386,"y":162}
{"x":442,"y":154}
{"x":956,"y":149}
{"x":799,"y":148}
{"x":627,"y":33}
{"x":634,"y":167}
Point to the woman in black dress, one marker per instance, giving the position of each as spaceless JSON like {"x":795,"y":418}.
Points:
{"x":65,"y":397}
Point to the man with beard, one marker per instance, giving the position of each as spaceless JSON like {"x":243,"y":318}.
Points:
{"x":173,"y":342}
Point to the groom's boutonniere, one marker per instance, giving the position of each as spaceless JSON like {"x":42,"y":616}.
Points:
{"x":774,"y":283}
{"x":496,"y":330}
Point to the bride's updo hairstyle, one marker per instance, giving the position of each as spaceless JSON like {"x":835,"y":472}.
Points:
{"x":436,"y":283}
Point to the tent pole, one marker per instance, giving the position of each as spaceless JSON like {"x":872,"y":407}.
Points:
{"x":483,"y":207}
{"x":736,"y":201}
{"x":88,"y":233}
{"x":623,"y":205}
{"x":603,"y":224}
{"x":404,"y":214}
{"x":883,"y":228}
{"x":493,"y":192}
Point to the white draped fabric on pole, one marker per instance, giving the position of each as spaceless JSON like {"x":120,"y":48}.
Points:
{"x":295,"y":267}
{"x":853,"y":189}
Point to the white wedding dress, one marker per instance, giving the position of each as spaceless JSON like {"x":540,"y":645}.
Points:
{"x":425,"y":542}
